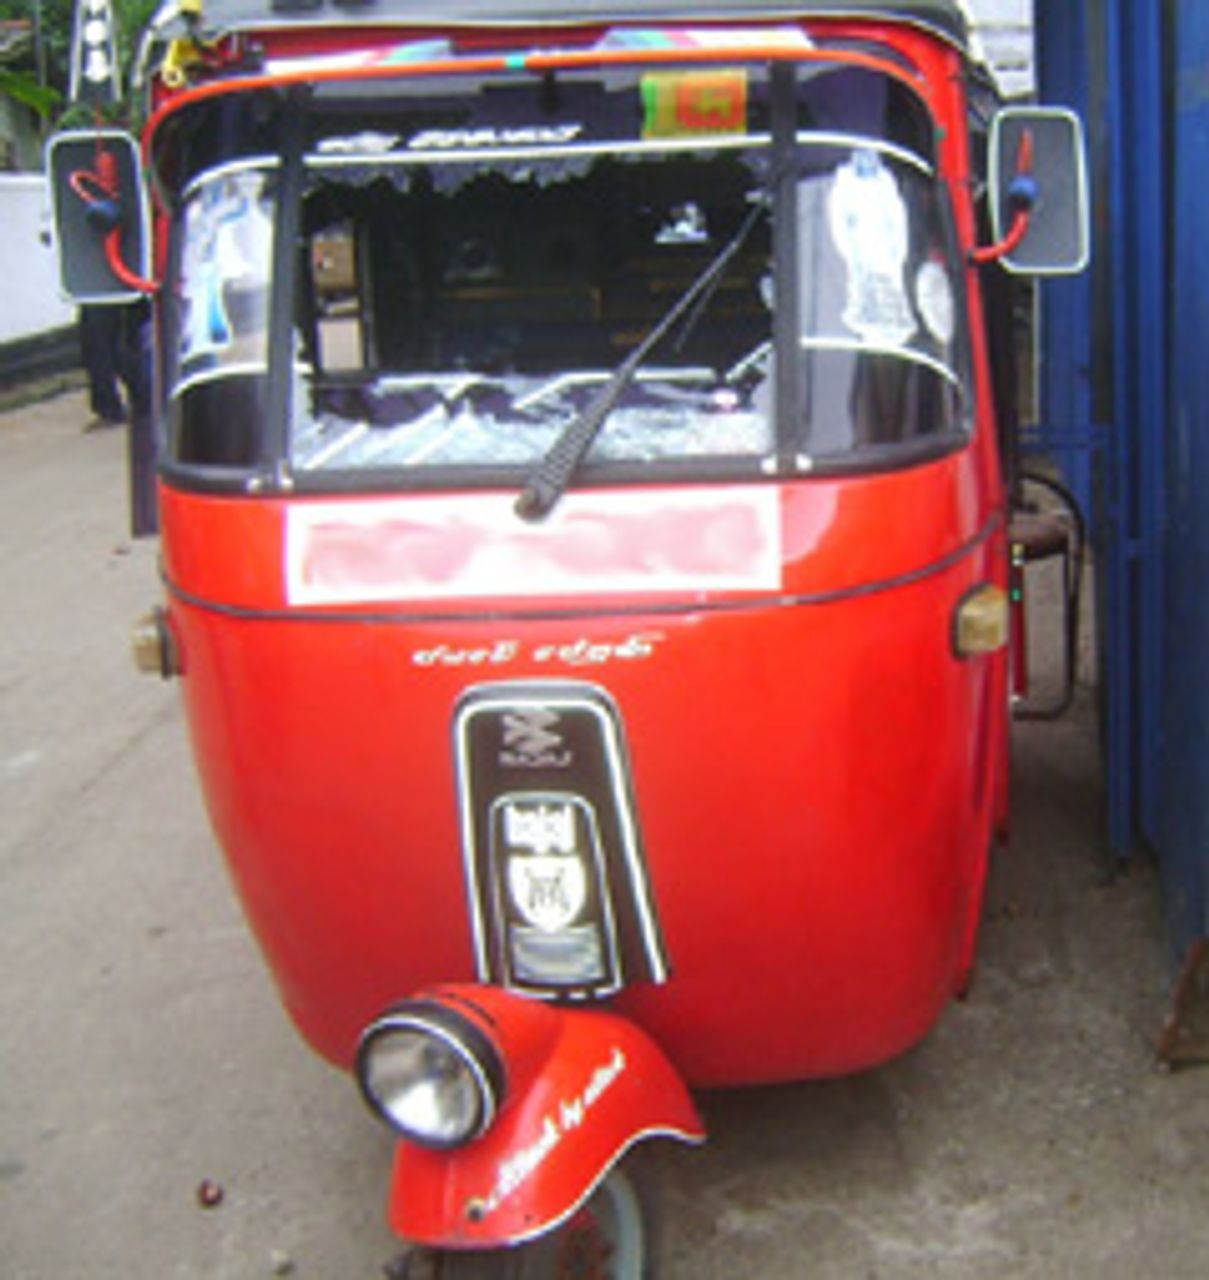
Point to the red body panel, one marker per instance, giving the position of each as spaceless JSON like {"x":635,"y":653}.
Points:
{"x":813,"y":768}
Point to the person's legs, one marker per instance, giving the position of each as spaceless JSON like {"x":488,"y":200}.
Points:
{"x":100,"y":336}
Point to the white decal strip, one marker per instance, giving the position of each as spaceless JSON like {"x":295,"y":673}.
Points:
{"x":650,"y":541}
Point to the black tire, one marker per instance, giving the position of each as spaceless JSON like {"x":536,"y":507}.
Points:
{"x":611,"y":1237}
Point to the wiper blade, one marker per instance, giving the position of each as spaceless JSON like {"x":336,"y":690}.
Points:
{"x":550,"y":478}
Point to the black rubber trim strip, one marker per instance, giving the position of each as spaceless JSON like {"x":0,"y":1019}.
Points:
{"x":665,"y":609}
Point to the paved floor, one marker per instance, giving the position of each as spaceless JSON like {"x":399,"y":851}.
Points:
{"x":142,"y":1050}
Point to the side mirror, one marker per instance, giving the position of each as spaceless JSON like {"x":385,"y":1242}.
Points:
{"x":1058,"y":240}
{"x":100,"y":215}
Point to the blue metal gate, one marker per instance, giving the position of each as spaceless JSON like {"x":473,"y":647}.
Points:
{"x":1125,"y":409}
{"x":1181,"y":820}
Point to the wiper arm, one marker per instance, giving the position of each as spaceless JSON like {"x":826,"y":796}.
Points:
{"x":550,"y":478}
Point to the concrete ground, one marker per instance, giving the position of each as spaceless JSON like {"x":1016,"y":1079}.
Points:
{"x":142,"y":1050}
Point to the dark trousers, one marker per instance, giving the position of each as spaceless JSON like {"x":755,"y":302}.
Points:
{"x":116,"y":345}
{"x":101,"y":351}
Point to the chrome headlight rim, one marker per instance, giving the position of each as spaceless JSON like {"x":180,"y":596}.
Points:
{"x":453,"y":1032}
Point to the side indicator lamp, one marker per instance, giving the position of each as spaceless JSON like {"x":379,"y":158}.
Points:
{"x":981,"y":621}
{"x":153,"y":646}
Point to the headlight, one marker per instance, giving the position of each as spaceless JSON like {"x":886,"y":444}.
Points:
{"x":431,"y":1074}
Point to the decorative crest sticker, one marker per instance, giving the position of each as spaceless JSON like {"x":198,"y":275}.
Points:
{"x":868,"y":219}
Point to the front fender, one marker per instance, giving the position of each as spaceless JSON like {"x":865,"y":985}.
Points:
{"x":582,"y":1087}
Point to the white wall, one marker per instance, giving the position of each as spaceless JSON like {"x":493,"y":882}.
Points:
{"x":29,"y":272}
{"x":1005,"y":31}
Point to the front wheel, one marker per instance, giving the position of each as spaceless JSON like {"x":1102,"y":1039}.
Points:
{"x":610,"y":1237}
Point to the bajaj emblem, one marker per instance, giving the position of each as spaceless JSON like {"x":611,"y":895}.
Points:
{"x":531,"y":740}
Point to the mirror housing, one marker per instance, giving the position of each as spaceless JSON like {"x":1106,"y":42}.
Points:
{"x":1058,"y":240}
{"x":96,"y":187}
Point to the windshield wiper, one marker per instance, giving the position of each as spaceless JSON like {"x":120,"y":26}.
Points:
{"x":550,"y":478}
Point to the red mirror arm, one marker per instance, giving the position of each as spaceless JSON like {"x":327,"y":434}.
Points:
{"x":131,"y":279}
{"x":1022,"y":196}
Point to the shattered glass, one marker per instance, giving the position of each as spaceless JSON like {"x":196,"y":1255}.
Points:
{"x":512,"y":421}
{"x":518,"y":284}
{"x":478,"y":260}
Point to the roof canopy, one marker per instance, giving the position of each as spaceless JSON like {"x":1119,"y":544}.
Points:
{"x":943,"y":16}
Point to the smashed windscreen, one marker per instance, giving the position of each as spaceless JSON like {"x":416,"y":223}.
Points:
{"x":476,"y":260}
{"x":503,"y":293}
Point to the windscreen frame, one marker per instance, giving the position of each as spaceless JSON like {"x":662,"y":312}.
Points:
{"x":272,"y":473}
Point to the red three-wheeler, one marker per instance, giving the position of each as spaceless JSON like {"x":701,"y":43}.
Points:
{"x":584,"y":547}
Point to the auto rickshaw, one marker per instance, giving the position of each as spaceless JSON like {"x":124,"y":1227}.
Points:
{"x":589,"y":597}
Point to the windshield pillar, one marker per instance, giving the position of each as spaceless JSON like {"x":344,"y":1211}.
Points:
{"x":280,"y":390}
{"x":787,"y":308}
